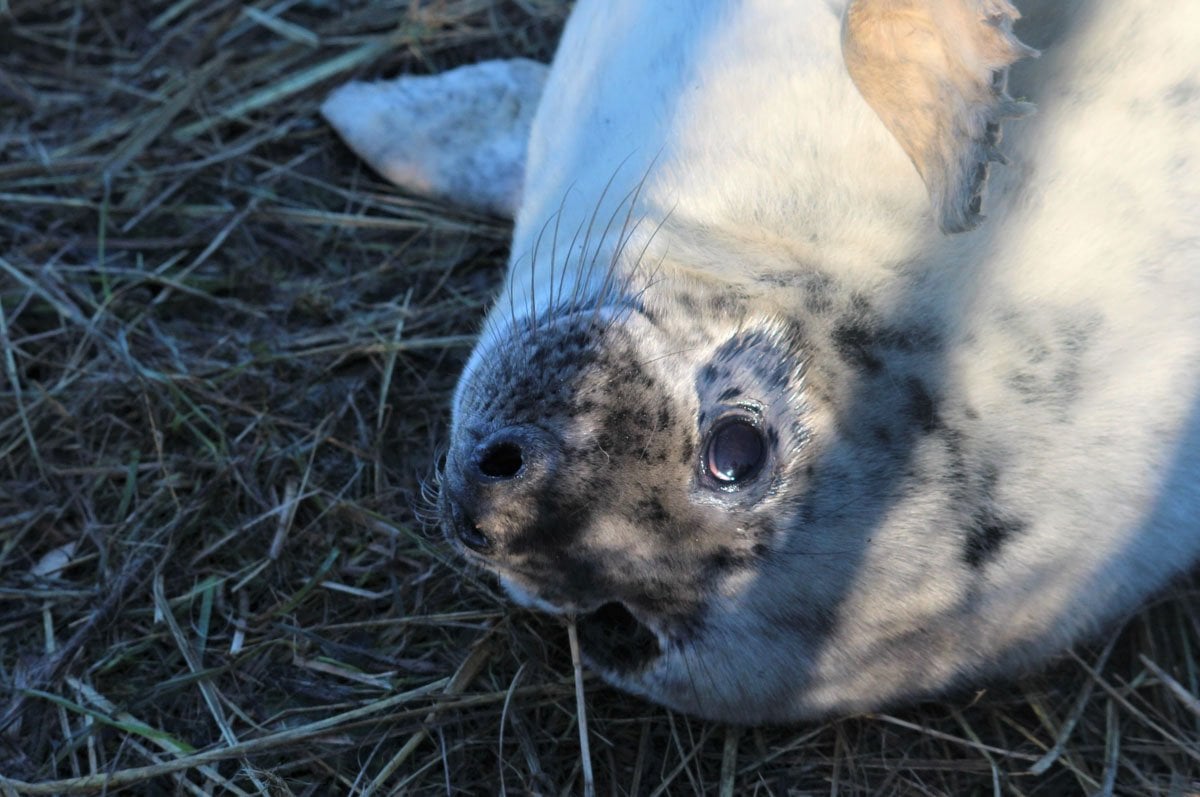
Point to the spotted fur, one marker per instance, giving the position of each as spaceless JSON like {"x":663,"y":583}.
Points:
{"x":977,"y":448}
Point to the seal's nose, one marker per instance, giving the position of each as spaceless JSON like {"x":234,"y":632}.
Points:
{"x":493,"y":485}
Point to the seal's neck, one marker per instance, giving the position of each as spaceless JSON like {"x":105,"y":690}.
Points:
{"x":729,"y":121}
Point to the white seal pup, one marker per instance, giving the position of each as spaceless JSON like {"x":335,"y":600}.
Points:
{"x":786,"y":422}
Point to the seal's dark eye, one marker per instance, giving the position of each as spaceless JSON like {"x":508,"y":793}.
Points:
{"x":734,"y":451}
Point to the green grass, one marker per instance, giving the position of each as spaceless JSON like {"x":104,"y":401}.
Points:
{"x":227,"y":353}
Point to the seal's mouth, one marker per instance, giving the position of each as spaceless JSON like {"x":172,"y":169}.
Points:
{"x":612,"y":639}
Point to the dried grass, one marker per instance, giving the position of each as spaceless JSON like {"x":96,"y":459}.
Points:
{"x":227,"y":351}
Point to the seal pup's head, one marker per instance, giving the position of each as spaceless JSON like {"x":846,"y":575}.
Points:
{"x":626,"y":462}
{"x":702,"y":464}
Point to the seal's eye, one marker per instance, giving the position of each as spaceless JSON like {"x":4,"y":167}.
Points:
{"x":734,"y":451}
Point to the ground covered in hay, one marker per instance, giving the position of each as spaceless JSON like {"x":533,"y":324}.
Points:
{"x":226,"y":352}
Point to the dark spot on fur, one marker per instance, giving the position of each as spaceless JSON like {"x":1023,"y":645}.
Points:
{"x":773,"y":376}
{"x":651,"y":512}
{"x":778,"y":279}
{"x":854,"y":344}
{"x":957,"y":462}
{"x":729,"y":393}
{"x":921,"y":406}
{"x":989,"y":527}
{"x":724,"y":304}
{"x":986,"y":536}
{"x":861,"y":305}
{"x":708,"y":374}
{"x":763,"y":529}
{"x":688,"y":303}
{"x":723,"y":559}
{"x":1052,"y":368}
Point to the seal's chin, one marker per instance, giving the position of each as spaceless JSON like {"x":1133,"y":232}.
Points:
{"x":611,"y":638}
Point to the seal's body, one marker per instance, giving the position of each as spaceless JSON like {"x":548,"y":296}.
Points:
{"x":787,"y":423}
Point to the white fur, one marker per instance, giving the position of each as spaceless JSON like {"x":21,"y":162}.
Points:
{"x":724,"y":144}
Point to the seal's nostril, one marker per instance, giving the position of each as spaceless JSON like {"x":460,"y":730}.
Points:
{"x":501,"y":461}
{"x":473,"y":538}
{"x":462,"y":527}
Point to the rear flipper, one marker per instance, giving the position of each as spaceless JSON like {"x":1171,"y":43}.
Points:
{"x":460,"y":135}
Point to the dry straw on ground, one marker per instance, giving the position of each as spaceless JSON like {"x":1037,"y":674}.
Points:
{"x":226,"y":351}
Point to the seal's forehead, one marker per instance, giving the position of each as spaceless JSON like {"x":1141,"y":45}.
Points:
{"x":527,"y":373}
{"x":767,"y":358}
{"x":578,"y":373}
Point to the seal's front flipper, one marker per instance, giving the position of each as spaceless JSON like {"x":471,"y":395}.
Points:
{"x":460,"y":135}
{"x":936,"y":73}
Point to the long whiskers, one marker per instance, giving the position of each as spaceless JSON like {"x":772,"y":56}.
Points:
{"x":581,"y":277}
{"x":425,"y":503}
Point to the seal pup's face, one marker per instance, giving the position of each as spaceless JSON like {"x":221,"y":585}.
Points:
{"x":635,"y":468}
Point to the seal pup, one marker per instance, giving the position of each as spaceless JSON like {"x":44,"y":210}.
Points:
{"x":766,"y":401}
